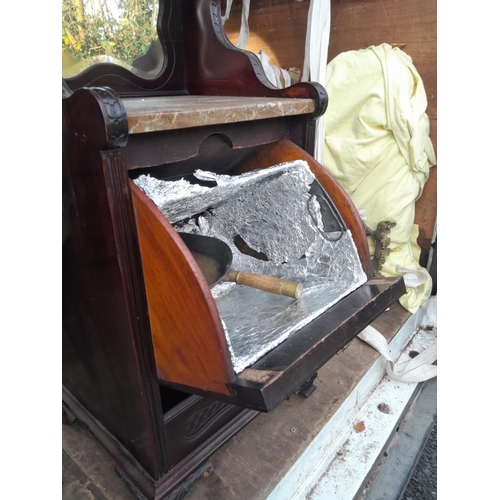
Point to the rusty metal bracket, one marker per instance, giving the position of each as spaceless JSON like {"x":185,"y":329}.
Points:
{"x":382,"y":241}
{"x":307,"y":388}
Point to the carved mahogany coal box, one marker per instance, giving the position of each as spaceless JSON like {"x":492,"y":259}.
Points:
{"x":146,"y":366}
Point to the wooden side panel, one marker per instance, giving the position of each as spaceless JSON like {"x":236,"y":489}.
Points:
{"x":411,"y":26}
{"x":107,"y":354}
{"x":188,"y":338}
{"x":285,"y":150}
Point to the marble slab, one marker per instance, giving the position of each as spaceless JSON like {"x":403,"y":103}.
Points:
{"x":153,"y":114}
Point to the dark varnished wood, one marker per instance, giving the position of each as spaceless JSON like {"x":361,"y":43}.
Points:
{"x":191,"y":423}
{"x":194,"y":50}
{"x":188,"y":337}
{"x":172,"y":146}
{"x":138,"y":480}
{"x":109,"y":372}
{"x":107,"y":352}
{"x":136,"y":311}
{"x":242,"y":72}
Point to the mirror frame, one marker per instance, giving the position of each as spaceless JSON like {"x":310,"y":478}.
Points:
{"x":170,"y":77}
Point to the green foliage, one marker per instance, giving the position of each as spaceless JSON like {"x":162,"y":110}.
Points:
{"x":123,"y":29}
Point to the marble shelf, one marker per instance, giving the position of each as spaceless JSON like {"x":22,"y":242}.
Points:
{"x":154,"y":114}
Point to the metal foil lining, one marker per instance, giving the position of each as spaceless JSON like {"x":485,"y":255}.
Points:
{"x":274,"y":226}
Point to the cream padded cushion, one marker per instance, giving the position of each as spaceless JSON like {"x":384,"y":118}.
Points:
{"x":377,"y":146}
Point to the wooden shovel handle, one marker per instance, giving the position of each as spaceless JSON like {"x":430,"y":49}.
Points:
{"x":266,"y":283}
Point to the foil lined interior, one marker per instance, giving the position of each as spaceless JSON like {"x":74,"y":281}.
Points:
{"x":273,"y":226}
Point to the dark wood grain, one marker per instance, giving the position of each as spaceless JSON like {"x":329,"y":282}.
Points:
{"x":241,"y":73}
{"x":192,"y":422}
{"x":175,"y":146}
{"x":108,"y":361}
{"x":132,"y":472}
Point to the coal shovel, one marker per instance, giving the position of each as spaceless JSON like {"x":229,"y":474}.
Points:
{"x":214,"y":258}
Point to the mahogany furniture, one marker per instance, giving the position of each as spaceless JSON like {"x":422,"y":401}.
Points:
{"x":145,"y":363}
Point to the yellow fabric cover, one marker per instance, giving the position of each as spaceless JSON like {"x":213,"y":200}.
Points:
{"x":377,"y":146}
